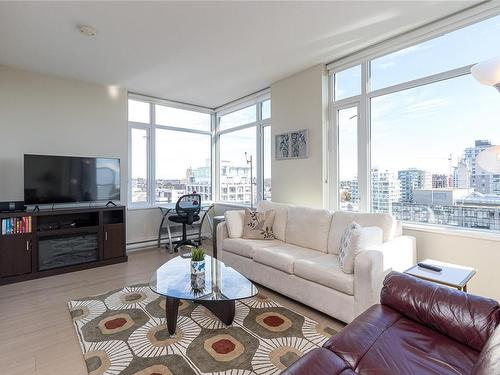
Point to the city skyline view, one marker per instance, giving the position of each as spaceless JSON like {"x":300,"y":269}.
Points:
{"x":192,"y":153}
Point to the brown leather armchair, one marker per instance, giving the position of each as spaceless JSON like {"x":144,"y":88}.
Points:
{"x":419,"y":328}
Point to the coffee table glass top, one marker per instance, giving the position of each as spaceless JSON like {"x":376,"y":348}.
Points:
{"x":219,"y":283}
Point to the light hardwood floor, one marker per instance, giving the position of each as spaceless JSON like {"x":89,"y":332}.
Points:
{"x":36,"y":332}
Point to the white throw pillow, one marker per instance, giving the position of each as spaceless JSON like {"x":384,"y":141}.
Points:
{"x":234,"y":223}
{"x":355,"y":239}
{"x":258,"y":225}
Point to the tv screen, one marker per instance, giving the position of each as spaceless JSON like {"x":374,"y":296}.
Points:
{"x":65,"y":179}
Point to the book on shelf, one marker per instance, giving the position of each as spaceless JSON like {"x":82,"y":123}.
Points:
{"x":16,"y":225}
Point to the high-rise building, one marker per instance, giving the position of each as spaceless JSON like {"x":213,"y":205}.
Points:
{"x":461,"y":175}
{"x":386,"y":190}
{"x":235,"y":183}
{"x":440,"y":181}
{"x":411,"y":179}
{"x":349,"y":195}
{"x":480,"y":180}
{"x":200,"y":180}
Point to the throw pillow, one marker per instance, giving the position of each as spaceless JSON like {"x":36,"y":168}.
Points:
{"x":258,"y":225}
{"x":354,"y":240}
{"x":234,"y":222}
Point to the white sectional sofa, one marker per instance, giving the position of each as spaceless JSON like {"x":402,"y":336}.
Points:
{"x":302,"y":262}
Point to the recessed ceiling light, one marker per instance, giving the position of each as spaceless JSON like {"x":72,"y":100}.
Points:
{"x":87,"y":30}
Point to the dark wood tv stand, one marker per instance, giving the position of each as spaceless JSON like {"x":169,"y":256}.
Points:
{"x":62,"y":240}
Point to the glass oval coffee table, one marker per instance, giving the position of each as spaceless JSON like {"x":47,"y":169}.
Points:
{"x":217,"y":289}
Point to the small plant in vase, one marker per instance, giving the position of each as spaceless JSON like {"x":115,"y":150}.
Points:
{"x":197,"y":261}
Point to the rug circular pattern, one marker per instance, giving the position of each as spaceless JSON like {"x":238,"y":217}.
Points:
{"x":153,"y":339}
{"x":316,"y":332}
{"x":130,"y":297}
{"x":83,"y":312}
{"x":275,"y":355}
{"x":113,"y":325}
{"x":156,"y":308}
{"x":124,"y":332}
{"x":107,"y":357}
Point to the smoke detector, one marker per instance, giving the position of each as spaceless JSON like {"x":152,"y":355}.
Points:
{"x":87,"y":30}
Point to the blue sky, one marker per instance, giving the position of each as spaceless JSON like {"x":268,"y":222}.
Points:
{"x":421,"y":127}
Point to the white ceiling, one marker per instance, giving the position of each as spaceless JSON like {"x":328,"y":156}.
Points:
{"x":205,"y":53}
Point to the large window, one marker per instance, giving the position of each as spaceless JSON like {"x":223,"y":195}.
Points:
{"x":348,"y":157}
{"x":423,"y":123}
{"x":170,"y":152}
{"x":182,"y":165}
{"x":173,"y":149}
{"x":237,"y":180}
{"x":244,"y":134}
{"x":139,"y":165}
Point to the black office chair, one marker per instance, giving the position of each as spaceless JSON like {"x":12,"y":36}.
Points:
{"x":187,"y":208}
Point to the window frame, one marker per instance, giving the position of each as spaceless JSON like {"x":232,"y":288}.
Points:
{"x":363,"y":100}
{"x":151,"y":145}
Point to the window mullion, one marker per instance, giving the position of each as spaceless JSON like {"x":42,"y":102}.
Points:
{"x":152,"y":157}
{"x":364,"y":141}
{"x":259,"y":157}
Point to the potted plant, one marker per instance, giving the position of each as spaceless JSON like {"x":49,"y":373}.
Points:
{"x":197,"y":261}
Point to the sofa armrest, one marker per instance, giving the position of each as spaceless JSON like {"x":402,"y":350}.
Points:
{"x":222,"y":234}
{"x":464,"y":317}
{"x":399,"y":254}
{"x":371,"y":266}
{"x":488,"y":362}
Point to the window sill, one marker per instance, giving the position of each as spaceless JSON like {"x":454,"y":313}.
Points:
{"x":145,"y":206}
{"x":137,"y":207}
{"x":459,"y":232}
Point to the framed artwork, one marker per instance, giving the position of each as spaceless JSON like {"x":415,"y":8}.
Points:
{"x":299,"y":142}
{"x":282,"y":146}
{"x":292,"y":145}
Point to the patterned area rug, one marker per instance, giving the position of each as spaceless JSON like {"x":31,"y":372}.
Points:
{"x":124,"y":332}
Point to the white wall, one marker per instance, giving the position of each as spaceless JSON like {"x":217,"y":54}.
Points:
{"x":298,"y":103}
{"x":44,"y":114}
{"x":482,"y":254}
{"x":142,"y":225}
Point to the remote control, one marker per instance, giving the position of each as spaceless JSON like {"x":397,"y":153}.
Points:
{"x":430,"y":267}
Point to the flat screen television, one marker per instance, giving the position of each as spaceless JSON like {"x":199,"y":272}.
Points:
{"x":66,"y":179}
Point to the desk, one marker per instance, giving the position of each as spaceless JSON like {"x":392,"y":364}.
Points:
{"x":169,"y":208}
{"x":452,"y":275}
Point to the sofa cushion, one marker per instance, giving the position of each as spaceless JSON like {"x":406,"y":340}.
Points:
{"x":464,"y":317}
{"x":381,"y":340}
{"x":282,"y":257}
{"x":280,"y":217}
{"x":325,"y":270}
{"x":416,"y":349}
{"x":308,"y":227}
{"x":341,"y":219}
{"x":234,"y":222}
{"x":244,"y":247}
